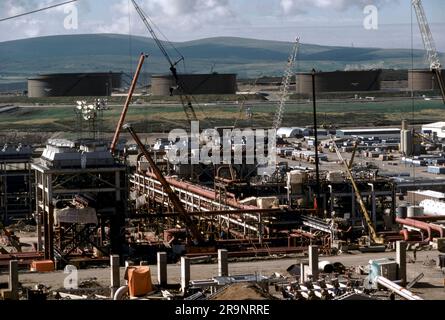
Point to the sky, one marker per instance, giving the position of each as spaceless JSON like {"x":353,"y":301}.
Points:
{"x":324,"y":22}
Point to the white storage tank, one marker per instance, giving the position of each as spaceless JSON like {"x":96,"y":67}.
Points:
{"x":414,"y":211}
{"x":432,"y":207}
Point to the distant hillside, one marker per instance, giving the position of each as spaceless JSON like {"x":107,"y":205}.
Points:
{"x":246,"y":57}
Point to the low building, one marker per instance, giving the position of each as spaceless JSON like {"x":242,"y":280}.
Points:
{"x":369,"y":132}
{"x":416,"y":196}
{"x":290,"y":132}
{"x":436,"y":128}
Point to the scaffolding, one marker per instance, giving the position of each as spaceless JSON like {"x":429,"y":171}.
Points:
{"x":100,"y":186}
{"x":16,"y":181}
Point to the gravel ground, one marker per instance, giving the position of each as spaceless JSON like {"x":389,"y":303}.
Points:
{"x":430,"y":287}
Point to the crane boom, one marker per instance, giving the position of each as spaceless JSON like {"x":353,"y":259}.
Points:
{"x":430,"y":46}
{"x":127,"y":103}
{"x":187,"y":104}
{"x":372,"y":233}
{"x":176,"y":202}
{"x":285,"y":84}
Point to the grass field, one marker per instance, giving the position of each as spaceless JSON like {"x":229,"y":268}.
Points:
{"x":162,"y":118}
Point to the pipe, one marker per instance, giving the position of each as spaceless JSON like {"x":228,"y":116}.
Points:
{"x":416,"y":224}
{"x":422,"y":225}
{"x":325,"y":266}
{"x":404,"y":293}
{"x":405,"y":234}
{"x":120,"y":293}
{"x":127,"y":103}
{"x":428,"y":218}
{"x":177,"y":204}
{"x":202,"y":192}
{"x":437,"y":228}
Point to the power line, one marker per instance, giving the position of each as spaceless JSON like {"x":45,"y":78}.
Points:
{"x":38,"y":10}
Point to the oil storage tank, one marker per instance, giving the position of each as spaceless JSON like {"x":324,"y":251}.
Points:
{"x":195,"y":84}
{"x":73,"y":84}
{"x":422,"y":80}
{"x":339,"y":81}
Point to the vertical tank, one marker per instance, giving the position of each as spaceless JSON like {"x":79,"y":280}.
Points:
{"x":338,"y":81}
{"x":414,"y":211}
{"x":422,"y":80}
{"x":194,"y":84}
{"x":407,"y":142}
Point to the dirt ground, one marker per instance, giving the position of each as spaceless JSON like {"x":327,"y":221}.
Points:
{"x":431,"y":287}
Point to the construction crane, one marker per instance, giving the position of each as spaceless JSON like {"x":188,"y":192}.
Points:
{"x":354,"y":151}
{"x":285,"y":84}
{"x":176,"y":202}
{"x":372,"y":233}
{"x":127,"y":103}
{"x":187,"y":104}
{"x":430,"y":46}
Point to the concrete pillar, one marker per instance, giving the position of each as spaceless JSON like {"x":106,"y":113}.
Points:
{"x":162,"y":268}
{"x":302,"y":271}
{"x":185,"y":273}
{"x":115,"y":274}
{"x":401,"y":260}
{"x":313,"y":261}
{"x":14,"y":279}
{"x":223,"y":264}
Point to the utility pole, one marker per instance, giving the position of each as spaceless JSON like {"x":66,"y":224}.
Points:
{"x":317,"y":171}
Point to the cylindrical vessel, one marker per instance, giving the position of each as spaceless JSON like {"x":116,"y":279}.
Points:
{"x":402,"y":211}
{"x":325,"y":266}
{"x":414,"y":211}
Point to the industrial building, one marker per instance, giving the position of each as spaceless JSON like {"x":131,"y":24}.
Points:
{"x":16,"y":183}
{"x":369,"y":132}
{"x":339,"y":81}
{"x":74,"y":84}
{"x":213,"y":83}
{"x":423,"y":80}
{"x":290,"y":132}
{"x":416,"y":196}
{"x":80,"y":199}
{"x":286,"y":196}
{"x":435,"y":129}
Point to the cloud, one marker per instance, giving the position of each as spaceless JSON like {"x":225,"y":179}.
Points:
{"x":289,"y":7}
{"x":37,"y":24}
{"x":170,"y":15}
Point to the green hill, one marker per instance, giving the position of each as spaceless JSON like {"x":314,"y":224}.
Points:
{"x":246,"y":57}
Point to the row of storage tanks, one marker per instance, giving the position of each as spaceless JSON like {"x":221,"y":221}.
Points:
{"x":407,"y":211}
{"x":425,"y":207}
{"x":365,"y":80}
{"x":103,"y":84}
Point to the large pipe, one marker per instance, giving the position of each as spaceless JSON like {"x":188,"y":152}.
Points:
{"x":325,"y":266}
{"x":416,"y":224}
{"x":422,"y":225}
{"x":202,"y":192}
{"x":404,"y":293}
{"x":438,"y":228}
{"x":127,"y":103}
{"x":177,"y":204}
